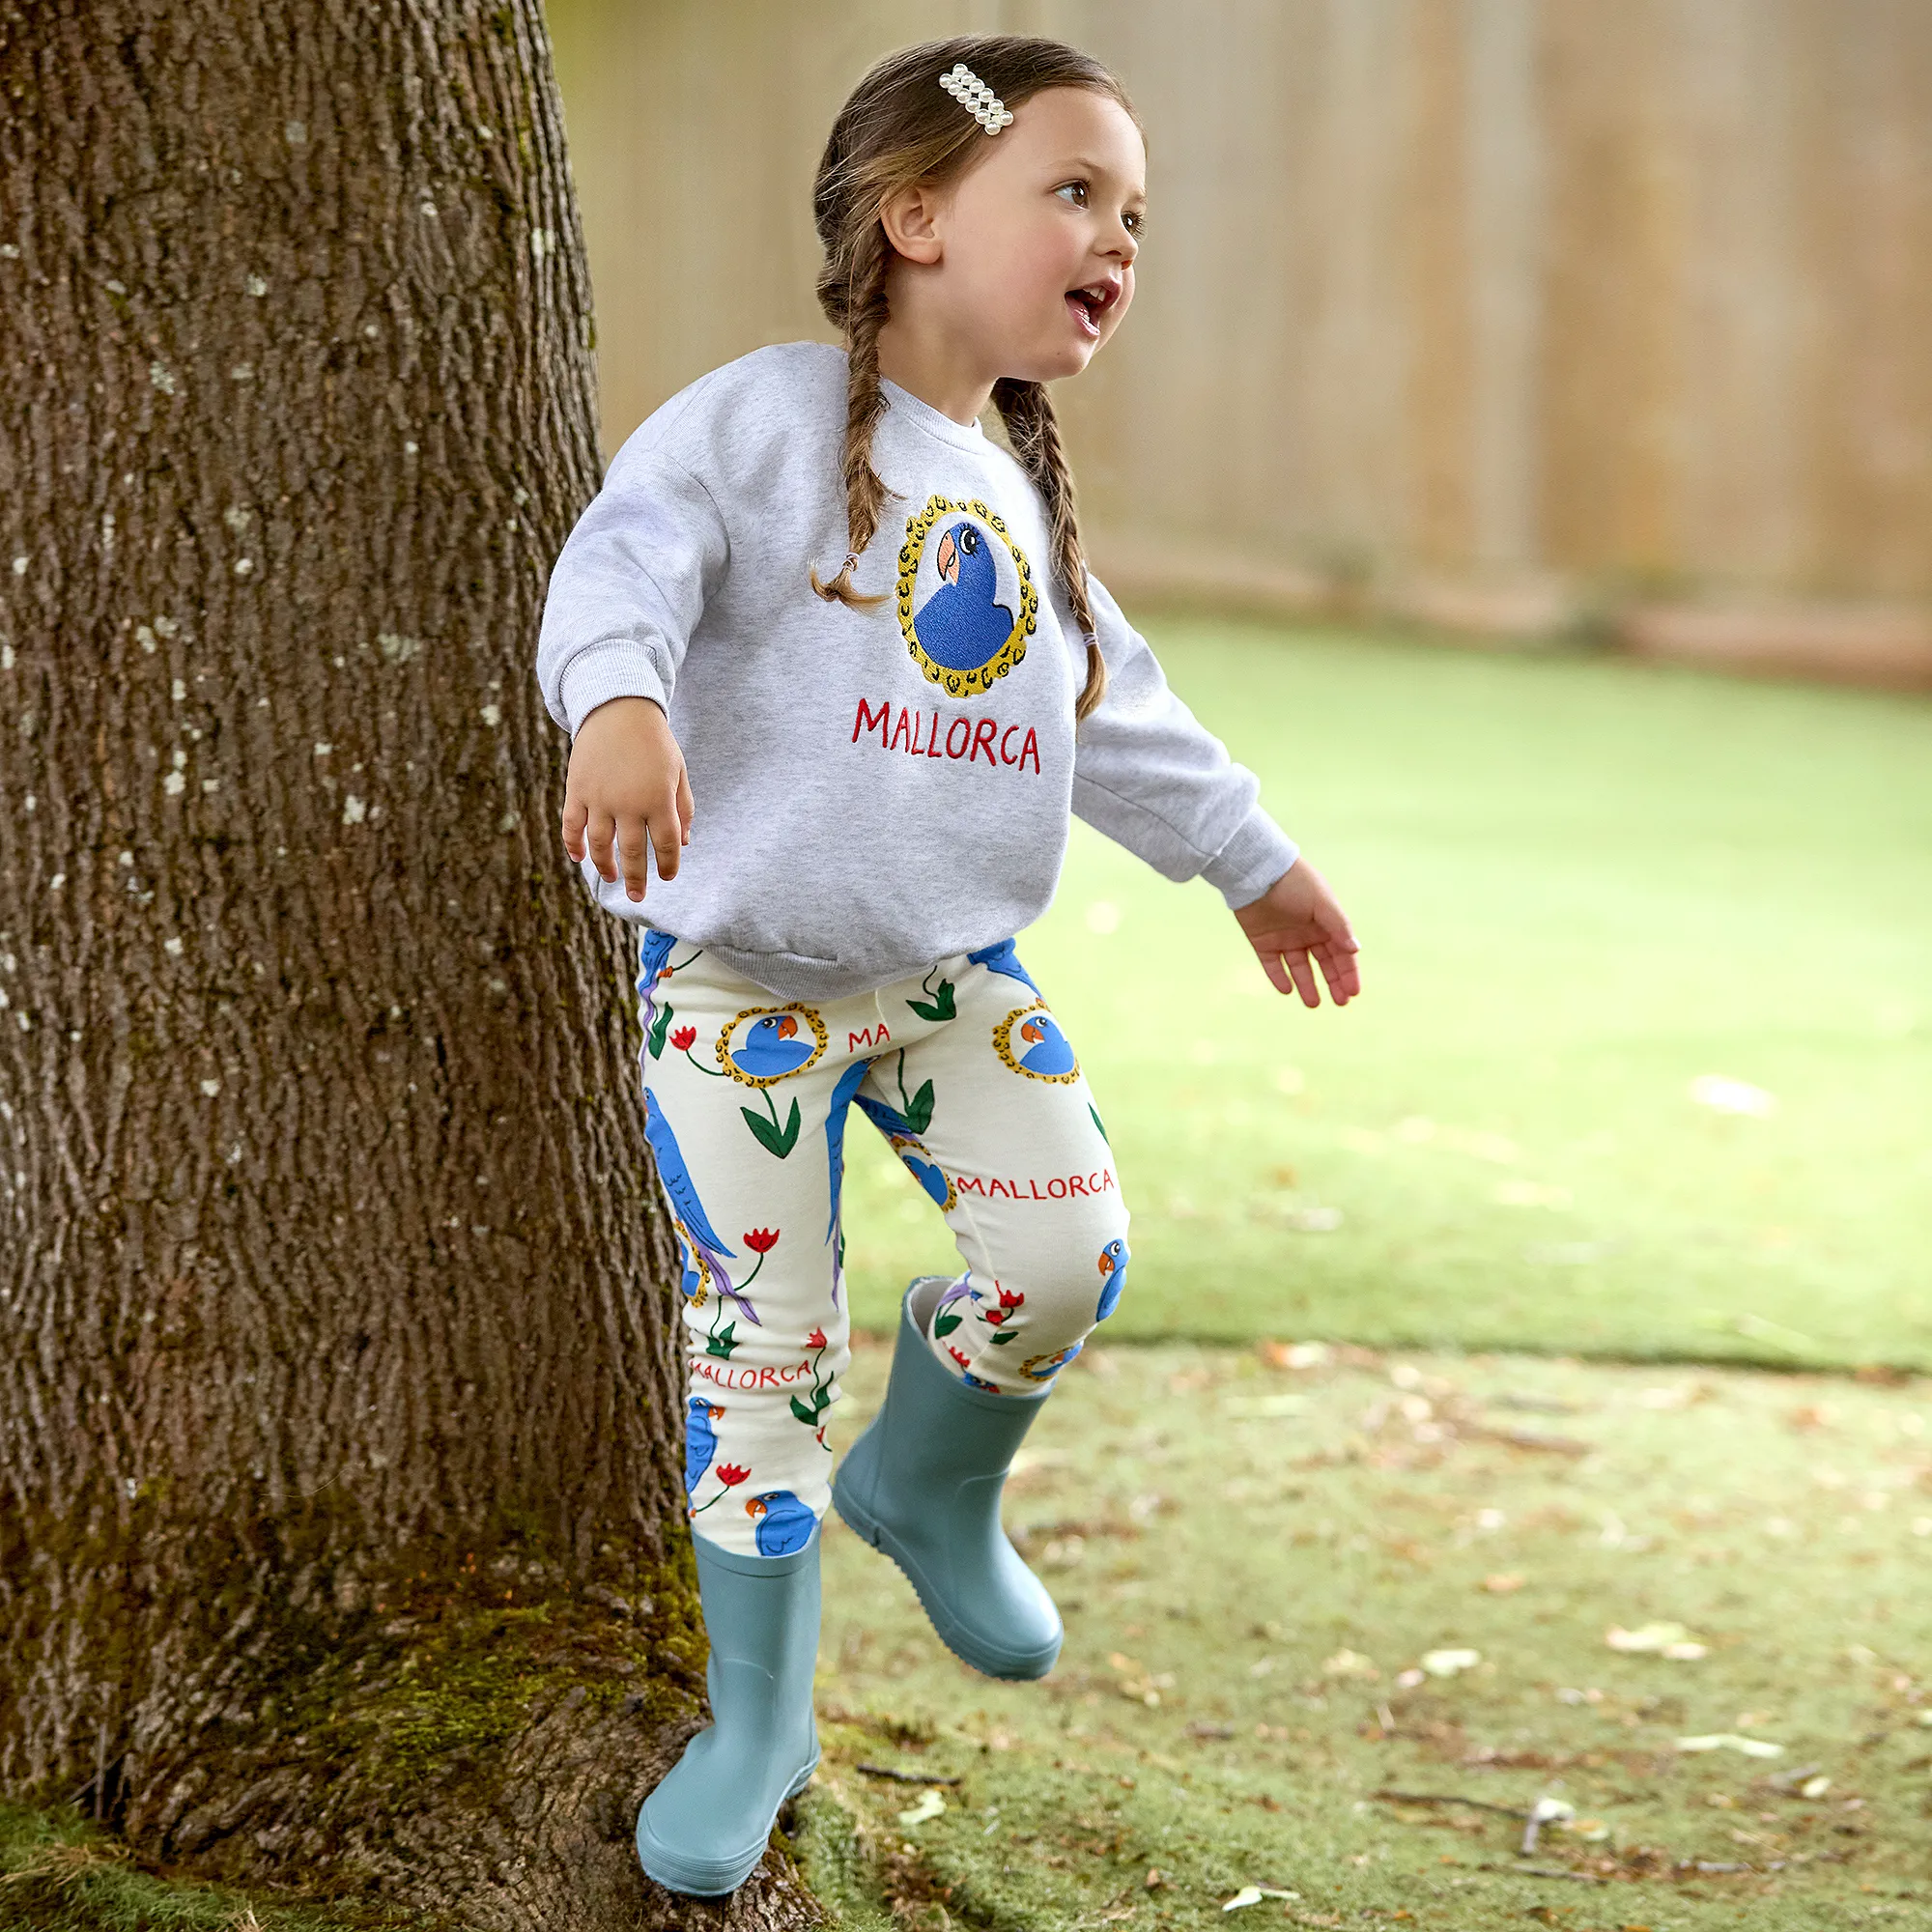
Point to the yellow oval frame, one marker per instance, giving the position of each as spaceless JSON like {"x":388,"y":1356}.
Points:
{"x":1003,"y":1045}
{"x":964,"y":683}
{"x":722,"y":1051}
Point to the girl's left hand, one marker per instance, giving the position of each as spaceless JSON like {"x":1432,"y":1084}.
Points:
{"x":1295,"y":920}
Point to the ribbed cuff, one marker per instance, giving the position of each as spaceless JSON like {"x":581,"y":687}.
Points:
{"x":1258,"y":854}
{"x":604,"y":671}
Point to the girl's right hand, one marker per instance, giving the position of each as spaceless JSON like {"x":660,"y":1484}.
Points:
{"x":627,"y":779}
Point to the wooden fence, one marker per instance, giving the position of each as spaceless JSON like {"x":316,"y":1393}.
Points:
{"x":1503,"y":313}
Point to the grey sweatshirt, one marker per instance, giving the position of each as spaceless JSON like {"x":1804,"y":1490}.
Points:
{"x":873,"y":788}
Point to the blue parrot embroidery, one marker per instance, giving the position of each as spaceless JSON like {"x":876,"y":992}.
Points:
{"x":694,"y":1225}
{"x":785,"y":1523}
{"x":772,"y":1048}
{"x":834,"y":1132}
{"x":1113,"y":1258}
{"x":961,"y":625}
{"x":1004,"y":959}
{"x":974,"y":1381}
{"x":701,"y":1439}
{"x":909,"y":1148}
{"x":1048,"y":1049}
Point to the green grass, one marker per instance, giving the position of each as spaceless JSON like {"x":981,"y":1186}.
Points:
{"x":1248,"y":1558}
{"x":1580,"y":885}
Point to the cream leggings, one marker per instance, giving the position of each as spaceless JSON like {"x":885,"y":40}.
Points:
{"x":748,"y":1100}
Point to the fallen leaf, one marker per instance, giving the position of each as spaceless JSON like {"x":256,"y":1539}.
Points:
{"x":930,"y":1805}
{"x":1447,"y":1662}
{"x":1349,"y":1664}
{"x":1726,"y":1095}
{"x":1253,"y":1894}
{"x":1663,"y":1639}
{"x":1729,"y":1740}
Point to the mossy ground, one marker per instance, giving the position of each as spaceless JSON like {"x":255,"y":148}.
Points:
{"x":1250,"y":1556}
{"x":61,"y":1873}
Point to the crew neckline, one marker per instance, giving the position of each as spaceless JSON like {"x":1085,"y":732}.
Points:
{"x":935,"y":422}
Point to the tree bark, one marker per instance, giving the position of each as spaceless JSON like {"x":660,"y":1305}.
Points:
{"x":341,"y":1531}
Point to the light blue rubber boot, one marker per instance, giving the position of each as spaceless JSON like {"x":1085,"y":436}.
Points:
{"x":704,"y":1828}
{"x":922,"y":1484}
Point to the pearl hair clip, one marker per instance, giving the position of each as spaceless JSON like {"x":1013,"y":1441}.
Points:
{"x":977,"y":97}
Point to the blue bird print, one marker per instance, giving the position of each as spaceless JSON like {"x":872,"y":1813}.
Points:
{"x":682,"y":1192}
{"x":773,"y":1048}
{"x":974,"y":1381}
{"x":834,"y":1132}
{"x":1048,"y":1049}
{"x":1113,"y":1258}
{"x":1004,"y":958}
{"x":653,"y":951}
{"x":785,"y":1523}
{"x":960,"y":625}
{"x":700,"y":1438}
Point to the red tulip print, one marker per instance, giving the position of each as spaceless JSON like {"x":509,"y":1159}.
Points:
{"x":761,"y":1240}
{"x":683,"y":1038}
{"x":1010,"y":1297}
{"x":816,"y":1339}
{"x":731,"y":1475}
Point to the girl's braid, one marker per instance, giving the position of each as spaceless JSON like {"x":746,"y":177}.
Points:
{"x":863,"y":310}
{"x":1034,"y":431}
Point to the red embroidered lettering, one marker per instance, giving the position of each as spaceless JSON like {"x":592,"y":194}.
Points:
{"x":1029,"y":749}
{"x":1056,"y":1189}
{"x":903,"y":729}
{"x":863,"y":723}
{"x":970,"y":1183}
{"x":766,"y":1379}
{"x":964,"y":725}
{"x":1000,"y":1187}
{"x":982,"y":740}
{"x":864,"y":1038}
{"x":1036,"y":1194}
{"x":1004,"y":736}
{"x":1077,"y":1185}
{"x":932,"y":742}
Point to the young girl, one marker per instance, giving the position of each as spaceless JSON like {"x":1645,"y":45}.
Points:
{"x":822,"y":631}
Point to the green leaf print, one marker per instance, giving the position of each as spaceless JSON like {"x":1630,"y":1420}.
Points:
{"x":1096,"y":1111}
{"x":918,"y":1109}
{"x":659,"y":1027}
{"x":723,"y":1342}
{"x":1004,"y":1335}
{"x":771,"y":1136}
{"x":944,"y":1325}
{"x":941,"y":1008}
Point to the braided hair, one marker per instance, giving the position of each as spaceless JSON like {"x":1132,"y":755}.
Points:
{"x":896,"y":129}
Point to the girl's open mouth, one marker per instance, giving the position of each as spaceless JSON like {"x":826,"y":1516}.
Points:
{"x":1088,"y":304}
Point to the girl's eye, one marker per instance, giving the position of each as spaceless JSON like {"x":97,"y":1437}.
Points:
{"x":1135,"y":222}
{"x":1077,"y":190}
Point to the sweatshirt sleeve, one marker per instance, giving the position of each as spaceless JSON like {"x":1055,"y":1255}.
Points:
{"x":1153,"y":779}
{"x":629,"y":586}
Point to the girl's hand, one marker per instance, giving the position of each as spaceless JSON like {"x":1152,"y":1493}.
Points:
{"x":1298,"y":919}
{"x":627,"y":777}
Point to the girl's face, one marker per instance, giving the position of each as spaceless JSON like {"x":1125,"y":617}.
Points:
{"x":1026,"y":261}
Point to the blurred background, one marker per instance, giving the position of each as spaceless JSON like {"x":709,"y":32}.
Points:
{"x":1594,"y":338}
{"x":1501,"y":313}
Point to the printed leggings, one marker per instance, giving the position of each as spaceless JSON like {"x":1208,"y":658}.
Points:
{"x":747,"y":1096}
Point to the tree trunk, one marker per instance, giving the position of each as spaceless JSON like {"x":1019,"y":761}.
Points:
{"x":342,"y":1532}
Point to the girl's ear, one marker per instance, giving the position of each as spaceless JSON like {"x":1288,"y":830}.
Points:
{"x":910,"y":220}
